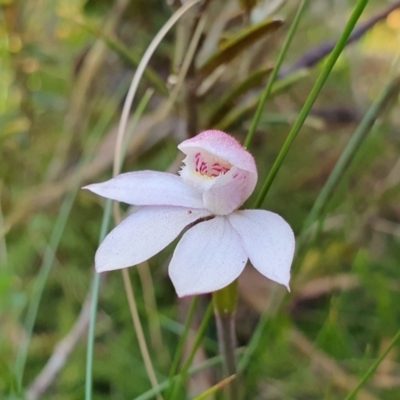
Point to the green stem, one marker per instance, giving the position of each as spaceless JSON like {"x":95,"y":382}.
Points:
{"x":274,"y":74}
{"x":225,"y":305}
{"x":329,"y":64}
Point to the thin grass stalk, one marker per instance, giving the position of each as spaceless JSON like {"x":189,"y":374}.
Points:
{"x":241,"y":111}
{"x":277,"y":296}
{"x":353,"y":146}
{"x":3,"y":245}
{"x":186,"y":366}
{"x":183,"y":337}
{"x":48,"y":260}
{"x":166,"y":107}
{"x":267,"y":91}
{"x":126,"y":279}
{"x":225,"y":314}
{"x":74,"y":120}
{"x":329,"y":64}
{"x":139,"y":329}
{"x":93,"y":306}
{"x":187,"y":61}
{"x":192,"y":371}
{"x":373,"y":367}
{"x":150,"y":303}
{"x":135,"y":120}
{"x":143,"y":270}
{"x":50,"y":251}
{"x":138,"y":76}
{"x":252,"y":346}
{"x":121,"y":50}
{"x":40,"y":282}
{"x":342,"y":166}
{"x":96,"y":278}
{"x":118,"y":162}
{"x":323,"y":199}
{"x":214,"y":389}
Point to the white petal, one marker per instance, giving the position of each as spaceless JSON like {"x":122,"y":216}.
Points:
{"x":148,"y":188}
{"x":230,"y":191}
{"x":142,"y":235}
{"x":268,"y":240}
{"x":207,"y":258}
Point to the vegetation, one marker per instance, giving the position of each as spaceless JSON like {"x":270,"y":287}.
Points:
{"x":326,"y":142}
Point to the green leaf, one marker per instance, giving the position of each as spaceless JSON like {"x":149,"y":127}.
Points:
{"x":233,"y":47}
{"x":229,"y":99}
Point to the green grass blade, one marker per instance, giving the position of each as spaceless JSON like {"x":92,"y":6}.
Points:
{"x":242,"y":111}
{"x":199,"y":337}
{"x":343,"y":163}
{"x":329,"y":64}
{"x":263,"y":324}
{"x":274,"y":74}
{"x":93,"y":305}
{"x":181,"y":345}
{"x":40,"y":283}
{"x":49,"y":256}
{"x":124,"y":53}
{"x":96,"y":278}
{"x":214,"y":389}
{"x":167,"y":383}
{"x":373,"y":367}
{"x":50,"y":253}
{"x":351,"y":149}
{"x":231,"y":97}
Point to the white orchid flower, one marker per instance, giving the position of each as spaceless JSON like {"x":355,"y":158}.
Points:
{"x":217,"y":177}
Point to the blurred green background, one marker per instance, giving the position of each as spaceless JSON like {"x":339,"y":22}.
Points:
{"x":65,"y":67}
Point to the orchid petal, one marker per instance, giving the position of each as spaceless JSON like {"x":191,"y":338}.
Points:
{"x":268,"y":241}
{"x":208,"y":257}
{"x":142,"y":235}
{"x":230,"y":192}
{"x":220,"y":168}
{"x":222,"y":146}
{"x":148,"y":188}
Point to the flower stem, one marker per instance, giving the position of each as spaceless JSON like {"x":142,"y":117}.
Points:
{"x":225,"y":304}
